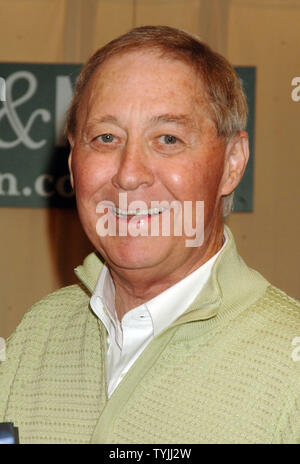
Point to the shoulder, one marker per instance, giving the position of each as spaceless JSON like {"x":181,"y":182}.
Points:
{"x":279,"y":310}
{"x":270,"y":329}
{"x":271,"y":323}
{"x":277,"y":318}
{"x":54,"y":309}
{"x":55,"y":327}
{"x":56,"y":316}
{"x":62,"y":303}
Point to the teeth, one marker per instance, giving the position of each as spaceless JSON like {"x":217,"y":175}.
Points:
{"x":144,"y":212}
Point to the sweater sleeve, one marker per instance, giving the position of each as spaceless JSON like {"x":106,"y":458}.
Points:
{"x":288,"y":429}
{"x":9,"y":367}
{"x":31,"y":335}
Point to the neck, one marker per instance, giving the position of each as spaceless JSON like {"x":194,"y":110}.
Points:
{"x":136,"y":286}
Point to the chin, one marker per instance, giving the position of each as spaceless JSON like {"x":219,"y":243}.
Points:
{"x":134,"y":252}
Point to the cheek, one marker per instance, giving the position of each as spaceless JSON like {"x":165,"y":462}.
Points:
{"x":90,"y":175}
{"x":207,"y":175}
{"x":199,"y":180}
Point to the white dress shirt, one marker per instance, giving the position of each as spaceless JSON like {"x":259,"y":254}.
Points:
{"x":128,"y":338}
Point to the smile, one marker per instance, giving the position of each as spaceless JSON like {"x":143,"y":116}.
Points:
{"x":145,"y":212}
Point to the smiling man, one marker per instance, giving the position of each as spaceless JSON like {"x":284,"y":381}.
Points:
{"x":171,"y":340}
{"x":142,"y":133}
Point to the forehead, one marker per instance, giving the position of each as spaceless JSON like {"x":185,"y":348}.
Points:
{"x":145,"y":82}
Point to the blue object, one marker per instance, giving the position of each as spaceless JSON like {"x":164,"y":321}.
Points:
{"x":8,"y":434}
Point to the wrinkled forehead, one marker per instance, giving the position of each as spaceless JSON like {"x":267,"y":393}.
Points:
{"x":141,"y":56}
{"x":148,"y":77}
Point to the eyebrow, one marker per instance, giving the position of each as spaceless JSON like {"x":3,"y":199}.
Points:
{"x":106,"y":118}
{"x":182,"y":119}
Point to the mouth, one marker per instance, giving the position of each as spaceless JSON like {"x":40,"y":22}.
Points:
{"x":127,"y":214}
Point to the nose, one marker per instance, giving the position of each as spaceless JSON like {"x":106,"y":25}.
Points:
{"x":134,"y":169}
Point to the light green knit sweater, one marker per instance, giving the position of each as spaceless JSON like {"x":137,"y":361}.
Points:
{"x":227,"y":371}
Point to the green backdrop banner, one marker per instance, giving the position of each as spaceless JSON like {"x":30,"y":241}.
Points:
{"x":33,"y":152}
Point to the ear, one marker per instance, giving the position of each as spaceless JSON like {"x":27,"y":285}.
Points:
{"x":236,"y":159}
{"x":71,"y":142}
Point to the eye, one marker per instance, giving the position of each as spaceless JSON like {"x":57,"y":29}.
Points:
{"x":168,"y":139}
{"x":106,"y":138}
{"x":168,"y":144}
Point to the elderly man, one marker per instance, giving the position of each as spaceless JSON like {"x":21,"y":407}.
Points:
{"x":174,"y":339}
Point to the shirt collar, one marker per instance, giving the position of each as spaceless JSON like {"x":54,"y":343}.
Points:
{"x":103,"y":304}
{"x":232,"y":284}
{"x":164,"y":308}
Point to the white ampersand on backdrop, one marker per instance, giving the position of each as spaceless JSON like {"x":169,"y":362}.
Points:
{"x":22,"y":131}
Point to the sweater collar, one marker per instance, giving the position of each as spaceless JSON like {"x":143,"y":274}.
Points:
{"x":231,"y":284}
{"x":88,"y":272}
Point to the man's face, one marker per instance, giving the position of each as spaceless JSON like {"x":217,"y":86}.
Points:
{"x":144,"y":129}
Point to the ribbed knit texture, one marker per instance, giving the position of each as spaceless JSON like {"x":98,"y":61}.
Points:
{"x":223,"y":373}
{"x":51,"y":379}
